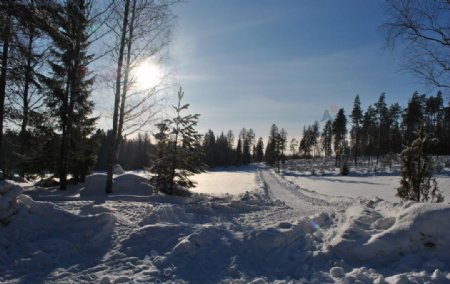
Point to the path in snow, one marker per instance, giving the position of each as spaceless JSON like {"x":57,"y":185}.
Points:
{"x":302,"y":201}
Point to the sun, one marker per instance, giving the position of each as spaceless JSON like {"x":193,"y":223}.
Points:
{"x":148,"y":75}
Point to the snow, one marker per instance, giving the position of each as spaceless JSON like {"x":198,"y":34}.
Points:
{"x":269,"y":228}
{"x":232,"y":180}
{"x":367,"y":186}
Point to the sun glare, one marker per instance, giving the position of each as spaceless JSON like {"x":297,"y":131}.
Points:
{"x":148,"y":75}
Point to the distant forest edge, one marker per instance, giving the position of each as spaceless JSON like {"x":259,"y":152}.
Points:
{"x":379,"y":130}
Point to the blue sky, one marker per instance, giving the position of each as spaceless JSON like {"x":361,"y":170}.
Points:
{"x":249,"y":63}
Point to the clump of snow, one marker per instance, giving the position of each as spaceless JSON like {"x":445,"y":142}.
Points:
{"x":117,"y":169}
{"x":9,"y":203}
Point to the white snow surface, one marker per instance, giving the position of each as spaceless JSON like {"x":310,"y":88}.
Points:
{"x":277,"y":231}
{"x":231,"y":180}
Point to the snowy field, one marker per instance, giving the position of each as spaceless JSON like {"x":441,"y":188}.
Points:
{"x":382,"y":186}
{"x":290,"y":228}
{"x":232,"y":180}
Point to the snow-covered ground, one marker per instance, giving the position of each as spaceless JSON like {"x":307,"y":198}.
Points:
{"x":282,"y":230}
{"x":232,"y":180}
{"x":371,"y":186}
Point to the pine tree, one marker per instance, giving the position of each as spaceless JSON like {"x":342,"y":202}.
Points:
{"x":272,"y":149}
{"x":339,"y":133}
{"x":357,"y":117}
{"x":239,"y":153}
{"x":327,"y":138}
{"x":179,"y":151}
{"x":209,"y":148}
{"x":368,"y":132}
{"x":413,"y":116}
{"x":417,"y":183}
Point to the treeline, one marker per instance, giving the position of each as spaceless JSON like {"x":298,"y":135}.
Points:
{"x":221,"y":150}
{"x":379,"y":130}
{"x":135,"y":153}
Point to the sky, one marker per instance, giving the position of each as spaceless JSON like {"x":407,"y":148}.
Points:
{"x":252,"y":63}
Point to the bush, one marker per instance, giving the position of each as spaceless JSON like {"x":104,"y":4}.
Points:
{"x":345,"y":169}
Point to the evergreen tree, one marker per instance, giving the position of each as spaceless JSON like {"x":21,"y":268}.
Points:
{"x":259,"y":150}
{"x":383,"y":124}
{"x":209,"y":148}
{"x":395,"y":134}
{"x":222,"y":150}
{"x":275,"y":147}
{"x":368,"y":132}
{"x":327,"y":138}
{"x":413,"y":116}
{"x":417,"y":183}
{"x":178,"y":152}
{"x":339,"y":133}
{"x":239,"y":154}
{"x":231,"y":153}
{"x":70,"y":87}
{"x":357,"y":117}
{"x":282,"y":147}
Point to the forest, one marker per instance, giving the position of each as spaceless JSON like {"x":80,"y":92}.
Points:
{"x":48,"y":79}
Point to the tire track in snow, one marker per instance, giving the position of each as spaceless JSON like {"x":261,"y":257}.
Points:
{"x":303,"y":201}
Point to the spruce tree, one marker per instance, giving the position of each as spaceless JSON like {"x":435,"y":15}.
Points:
{"x":70,"y":86}
{"x":259,"y":150}
{"x":417,"y":183}
{"x":357,"y":117}
{"x":179,"y":150}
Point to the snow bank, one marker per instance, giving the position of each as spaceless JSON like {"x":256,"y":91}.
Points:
{"x":43,"y":240}
{"x":117,"y":169}
{"x":412,"y":236}
{"x":124,"y":184}
{"x":9,"y":201}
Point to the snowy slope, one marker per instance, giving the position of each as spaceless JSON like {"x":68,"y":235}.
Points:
{"x":276,"y":232}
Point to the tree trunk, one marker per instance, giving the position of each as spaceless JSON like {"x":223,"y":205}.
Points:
{"x":25,"y":97}
{"x":112,"y":157}
{"x":5,"y":51}
{"x":125,"y":80}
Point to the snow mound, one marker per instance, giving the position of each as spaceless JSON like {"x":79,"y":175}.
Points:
{"x":118,"y":170}
{"x":9,"y":202}
{"x":125,"y":184}
{"x":412,"y":235}
{"x":43,"y":239}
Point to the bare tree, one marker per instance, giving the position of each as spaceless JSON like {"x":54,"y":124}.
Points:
{"x":421,"y":29}
{"x":141,"y":28}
